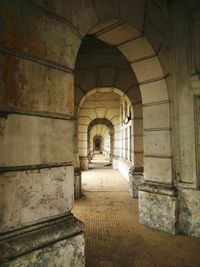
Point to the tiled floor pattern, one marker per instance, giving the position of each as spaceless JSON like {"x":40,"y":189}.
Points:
{"x":114,"y":238}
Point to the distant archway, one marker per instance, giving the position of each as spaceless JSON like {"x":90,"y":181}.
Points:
{"x":97,"y":143}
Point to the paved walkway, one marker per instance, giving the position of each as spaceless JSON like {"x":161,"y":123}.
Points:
{"x":113,"y":236}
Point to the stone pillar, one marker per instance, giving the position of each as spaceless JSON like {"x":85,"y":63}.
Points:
{"x":158,"y":206}
{"x":36,"y":139}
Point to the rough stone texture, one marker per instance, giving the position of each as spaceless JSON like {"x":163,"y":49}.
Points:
{"x":69,"y":252}
{"x":158,"y":209}
{"x":29,"y":196}
{"x":42,"y":36}
{"x":28,"y":140}
{"x":135,"y":180}
{"x":21,"y":241}
{"x":189,"y":218}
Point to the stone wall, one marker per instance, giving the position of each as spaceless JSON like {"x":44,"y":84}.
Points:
{"x":39,"y":42}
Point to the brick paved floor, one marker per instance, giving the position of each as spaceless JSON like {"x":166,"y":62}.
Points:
{"x":113,"y":236}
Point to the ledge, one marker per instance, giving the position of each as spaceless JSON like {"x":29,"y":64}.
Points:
{"x":26,"y":240}
{"x":158,"y":188}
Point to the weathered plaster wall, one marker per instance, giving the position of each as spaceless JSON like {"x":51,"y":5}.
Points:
{"x":31,"y":140}
{"x":39,"y":41}
{"x":37,"y":57}
{"x":32,"y":195}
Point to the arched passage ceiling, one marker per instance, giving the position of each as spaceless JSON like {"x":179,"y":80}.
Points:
{"x":102,"y":65}
{"x":103,"y":121}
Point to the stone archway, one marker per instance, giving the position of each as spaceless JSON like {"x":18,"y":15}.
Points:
{"x":98,"y":143}
{"x":46,"y":47}
{"x":151,"y":80}
{"x":106,"y":137}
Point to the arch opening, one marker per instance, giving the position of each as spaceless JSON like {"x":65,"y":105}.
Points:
{"x":125,"y":59}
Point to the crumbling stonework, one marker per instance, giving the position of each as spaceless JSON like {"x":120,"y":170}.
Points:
{"x":156,"y":67}
{"x":189,"y":218}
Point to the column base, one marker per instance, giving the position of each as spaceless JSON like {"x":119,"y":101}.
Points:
{"x":136,"y":179}
{"x":56,"y":242}
{"x":84,"y":163}
{"x":189,"y":216}
{"x":158,"y":206}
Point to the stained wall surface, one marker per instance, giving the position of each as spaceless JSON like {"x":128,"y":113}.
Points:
{"x":39,"y":44}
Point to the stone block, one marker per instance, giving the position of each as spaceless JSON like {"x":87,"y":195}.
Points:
{"x":158,"y":169}
{"x":29,"y":196}
{"x":189,"y":217}
{"x":138,"y":126}
{"x":156,"y":116}
{"x":137,"y":49}
{"x":135,"y":180}
{"x":158,"y":208}
{"x":138,"y":157}
{"x":154,"y":92}
{"x":82,"y":136}
{"x":82,"y":144}
{"x":87,"y":112}
{"x":101,"y":112}
{"x":138,"y":143}
{"x":57,"y":242}
{"x":28,"y":140}
{"x":82,"y":128}
{"x":82,"y":120}
{"x":84,"y":163}
{"x":62,"y":43}
{"x":119,"y":34}
{"x":42,"y":36}
{"x":27,"y":85}
{"x":147,"y":69}
{"x":83,"y":152}
{"x":157,"y":143}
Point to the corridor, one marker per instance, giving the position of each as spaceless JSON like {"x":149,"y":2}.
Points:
{"x":114,"y":238}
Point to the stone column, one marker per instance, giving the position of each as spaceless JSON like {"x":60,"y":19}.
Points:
{"x":36,"y":140}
